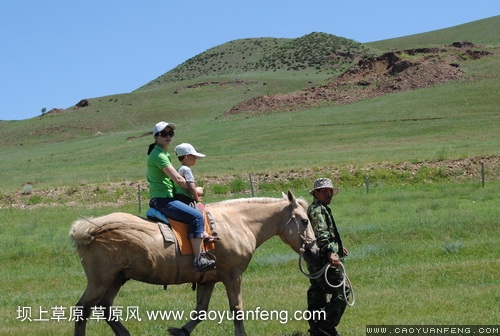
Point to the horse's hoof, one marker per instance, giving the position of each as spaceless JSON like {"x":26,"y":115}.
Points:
{"x":178,"y":331}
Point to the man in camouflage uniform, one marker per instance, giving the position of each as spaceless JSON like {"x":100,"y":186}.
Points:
{"x":320,"y":296}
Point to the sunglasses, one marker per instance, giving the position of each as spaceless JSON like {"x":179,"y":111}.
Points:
{"x":165,"y":134}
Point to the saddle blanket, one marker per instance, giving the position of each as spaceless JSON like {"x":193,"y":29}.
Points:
{"x":180,"y":231}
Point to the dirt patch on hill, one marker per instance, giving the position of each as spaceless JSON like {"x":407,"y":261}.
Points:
{"x":392,"y":72}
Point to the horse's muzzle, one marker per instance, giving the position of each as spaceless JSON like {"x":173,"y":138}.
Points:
{"x":311,"y":252}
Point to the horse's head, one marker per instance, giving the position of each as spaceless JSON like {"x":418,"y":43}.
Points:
{"x":297,"y":231}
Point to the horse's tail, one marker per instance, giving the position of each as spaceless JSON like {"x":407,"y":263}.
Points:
{"x":115,"y":227}
{"x":80,"y":232}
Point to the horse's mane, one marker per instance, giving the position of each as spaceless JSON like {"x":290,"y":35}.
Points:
{"x":301,"y":201}
{"x":250,"y":200}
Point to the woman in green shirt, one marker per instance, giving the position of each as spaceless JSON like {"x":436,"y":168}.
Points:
{"x":161,"y":176}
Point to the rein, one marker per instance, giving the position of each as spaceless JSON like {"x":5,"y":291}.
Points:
{"x":345,"y":283}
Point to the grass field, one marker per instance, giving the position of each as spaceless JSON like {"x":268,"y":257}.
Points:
{"x":425,"y":254}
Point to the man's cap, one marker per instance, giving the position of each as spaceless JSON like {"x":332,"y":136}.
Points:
{"x":324,"y":183}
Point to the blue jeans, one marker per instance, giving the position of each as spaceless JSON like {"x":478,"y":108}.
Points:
{"x":180,"y":212}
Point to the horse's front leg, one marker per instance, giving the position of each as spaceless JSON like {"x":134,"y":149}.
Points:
{"x":203,"y":295}
{"x":233,"y":288}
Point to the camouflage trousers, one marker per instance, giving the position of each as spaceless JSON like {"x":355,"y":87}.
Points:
{"x":330,"y":301}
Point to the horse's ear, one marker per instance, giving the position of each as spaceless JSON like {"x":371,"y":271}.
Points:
{"x":284,"y":195}
{"x":291,"y":197}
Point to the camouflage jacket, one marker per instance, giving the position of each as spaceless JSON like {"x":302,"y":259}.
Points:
{"x":325,"y":229}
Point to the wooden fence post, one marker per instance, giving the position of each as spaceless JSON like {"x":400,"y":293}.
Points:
{"x":251,"y":184}
{"x":482,"y":173}
{"x":139,"y":196}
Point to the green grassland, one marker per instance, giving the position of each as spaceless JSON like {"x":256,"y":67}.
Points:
{"x":423,"y":244}
{"x":418,"y":255}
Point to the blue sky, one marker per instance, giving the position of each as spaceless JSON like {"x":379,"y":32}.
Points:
{"x":54,"y":53}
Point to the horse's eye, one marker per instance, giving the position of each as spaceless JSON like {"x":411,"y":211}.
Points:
{"x":305,"y":221}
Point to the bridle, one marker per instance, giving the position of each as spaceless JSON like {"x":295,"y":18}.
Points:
{"x":304,"y":239}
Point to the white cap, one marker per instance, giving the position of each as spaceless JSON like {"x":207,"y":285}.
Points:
{"x":185,"y":149}
{"x":161,"y":126}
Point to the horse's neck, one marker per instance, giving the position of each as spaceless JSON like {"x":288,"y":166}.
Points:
{"x":257,"y":219}
{"x":265,"y":228}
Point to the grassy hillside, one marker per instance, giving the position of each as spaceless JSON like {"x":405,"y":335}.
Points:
{"x":106,"y":141}
{"x":483,"y":32}
{"x":316,"y":51}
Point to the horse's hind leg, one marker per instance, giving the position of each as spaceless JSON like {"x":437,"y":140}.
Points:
{"x":203,"y":295}
{"x":98,"y":296}
{"x":89,"y":299}
{"x":106,"y":302}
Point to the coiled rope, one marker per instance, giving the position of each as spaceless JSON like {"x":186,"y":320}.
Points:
{"x":345,"y":283}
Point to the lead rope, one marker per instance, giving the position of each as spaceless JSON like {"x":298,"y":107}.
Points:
{"x":345,"y":283}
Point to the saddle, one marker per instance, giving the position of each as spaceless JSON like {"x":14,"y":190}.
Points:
{"x":175,"y":231}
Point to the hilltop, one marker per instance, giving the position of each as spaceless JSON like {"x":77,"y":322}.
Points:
{"x":315,"y":51}
{"x":366,"y":76}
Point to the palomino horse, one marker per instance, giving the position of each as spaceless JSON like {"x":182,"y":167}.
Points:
{"x":119,"y":246}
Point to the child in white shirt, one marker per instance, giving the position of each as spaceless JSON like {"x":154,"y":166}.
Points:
{"x":192,"y":195}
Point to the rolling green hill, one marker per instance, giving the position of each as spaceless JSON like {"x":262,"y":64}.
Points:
{"x":106,"y":141}
{"x":313,"y":52}
{"x":483,"y":32}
